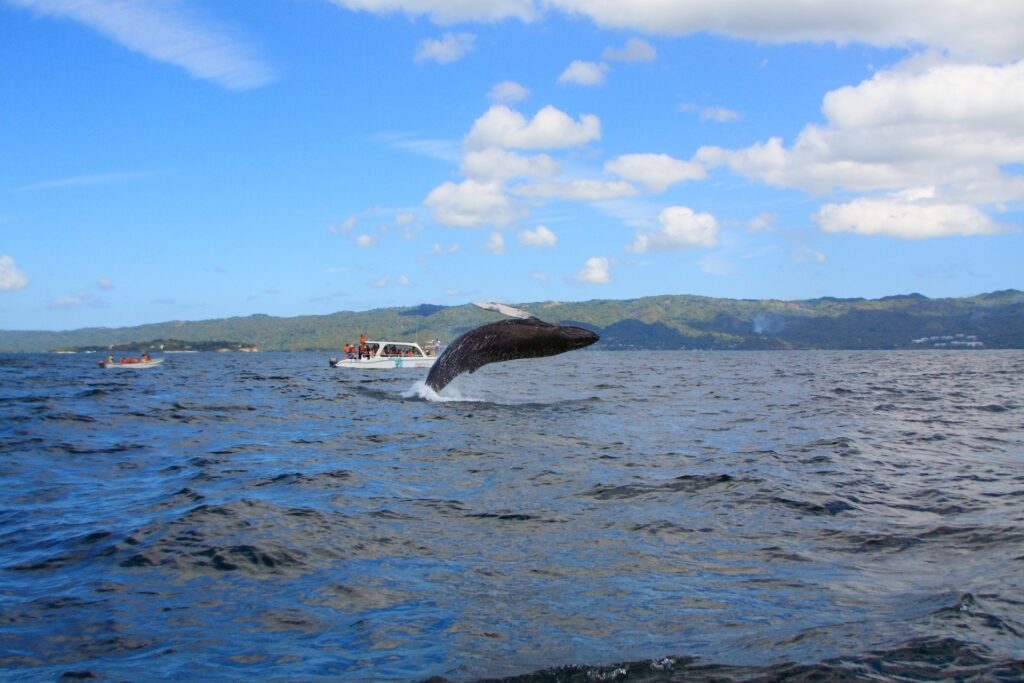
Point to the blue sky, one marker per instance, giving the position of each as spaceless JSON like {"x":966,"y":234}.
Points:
{"x":186,"y":159}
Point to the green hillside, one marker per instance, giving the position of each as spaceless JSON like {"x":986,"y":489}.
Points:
{"x":994,"y":320}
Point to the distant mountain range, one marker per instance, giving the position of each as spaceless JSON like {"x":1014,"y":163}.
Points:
{"x":993,"y":321}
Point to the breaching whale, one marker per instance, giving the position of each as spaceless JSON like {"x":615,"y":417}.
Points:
{"x":521,"y":337}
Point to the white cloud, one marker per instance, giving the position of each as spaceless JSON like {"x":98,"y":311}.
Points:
{"x":967,"y":29}
{"x":927,"y":92}
{"x":451,"y":47}
{"x":77,"y":300}
{"x":104,"y":283}
{"x":499,"y":164}
{"x":508,"y":92}
{"x":763,"y":222}
{"x":578,"y":190}
{"x":11,"y":277}
{"x":583,"y":73}
{"x":925,"y":123}
{"x":808,"y":255}
{"x":440,"y":250}
{"x":595,"y":271}
{"x":445,"y":12}
{"x":681,"y":228}
{"x":954,"y":128}
{"x":404,"y":280}
{"x":540,"y":276}
{"x":343,"y":228}
{"x":380,"y":283}
{"x":165,"y":30}
{"x":975,"y":30}
{"x":906,"y":216}
{"x":540,"y":237}
{"x":408,"y":224}
{"x":495,"y":244}
{"x":550,"y":128}
{"x":654,"y":171}
{"x":471,"y":204}
{"x":719,"y":114}
{"x":635,"y":50}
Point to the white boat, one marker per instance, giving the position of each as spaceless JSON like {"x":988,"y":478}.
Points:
{"x":137,"y":365}
{"x":387,"y":355}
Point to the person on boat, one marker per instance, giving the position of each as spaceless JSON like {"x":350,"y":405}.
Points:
{"x":110,"y":360}
{"x":145,"y":357}
{"x":437,"y":347}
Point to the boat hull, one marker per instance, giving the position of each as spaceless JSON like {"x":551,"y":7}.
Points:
{"x":382,"y":363}
{"x":141,"y":365}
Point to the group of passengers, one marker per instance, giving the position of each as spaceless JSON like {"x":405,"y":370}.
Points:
{"x":131,"y":359}
{"x":366,"y":350}
{"x":363,"y":350}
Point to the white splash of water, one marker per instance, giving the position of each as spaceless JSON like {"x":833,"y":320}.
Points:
{"x":421,"y":390}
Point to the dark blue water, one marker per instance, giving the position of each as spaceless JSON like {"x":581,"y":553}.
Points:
{"x":595,"y":516}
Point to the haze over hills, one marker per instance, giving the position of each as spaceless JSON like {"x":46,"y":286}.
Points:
{"x":993,"y":320}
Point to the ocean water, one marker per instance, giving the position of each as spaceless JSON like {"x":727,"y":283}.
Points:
{"x":645,"y":516}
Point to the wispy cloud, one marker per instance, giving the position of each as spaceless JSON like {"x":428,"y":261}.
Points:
{"x":635,"y":50}
{"x":716,"y":114}
{"x":719,"y":114}
{"x":77,"y":300}
{"x":442,"y":150}
{"x":87,"y":180}
{"x":451,"y":47}
{"x":496,"y":244}
{"x":167,"y":31}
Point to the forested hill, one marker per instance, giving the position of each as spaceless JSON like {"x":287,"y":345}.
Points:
{"x":994,"y":320}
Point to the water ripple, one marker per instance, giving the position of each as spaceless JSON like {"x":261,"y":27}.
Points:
{"x":648,"y":516}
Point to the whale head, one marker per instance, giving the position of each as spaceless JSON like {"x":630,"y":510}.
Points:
{"x":575,"y":337}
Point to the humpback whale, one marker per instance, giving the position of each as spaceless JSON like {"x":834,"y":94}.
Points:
{"x":521,"y":337}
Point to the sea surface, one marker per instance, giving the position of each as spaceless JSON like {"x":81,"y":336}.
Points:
{"x":596,"y":516}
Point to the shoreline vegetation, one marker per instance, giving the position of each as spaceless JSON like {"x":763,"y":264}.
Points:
{"x":164,"y":346}
{"x":675,"y":322}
